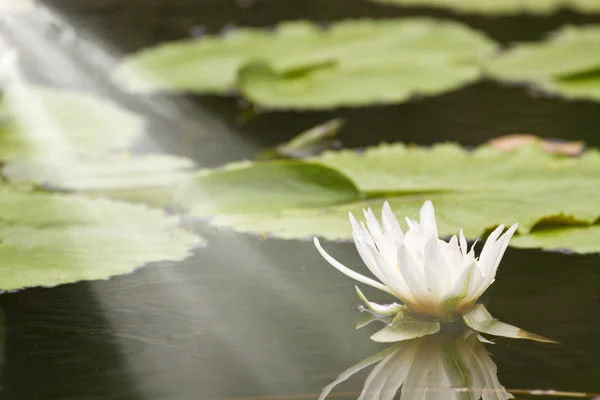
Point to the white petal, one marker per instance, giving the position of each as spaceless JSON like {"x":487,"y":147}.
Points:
{"x":435,"y":269}
{"x":412,"y":274}
{"x":367,"y":257}
{"x":374,"y":227}
{"x":484,"y":340}
{"x":427,"y":218}
{"x":489,"y":265}
{"x":467,"y":284}
{"x":365,"y":318}
{"x":348,"y":272}
{"x":505,"y":240}
{"x":463,"y":242}
{"x":356,"y":228}
{"x":366,"y":235}
{"x":454,"y":258}
{"x":384,"y":244}
{"x":489,"y":248}
{"x":379,"y":309}
{"x":390,"y":224}
{"x":392,"y":277}
{"x":415,"y":244}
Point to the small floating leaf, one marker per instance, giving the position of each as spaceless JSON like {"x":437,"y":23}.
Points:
{"x":567,"y":63}
{"x":51,"y":239}
{"x":303,"y":65}
{"x":501,"y":7}
{"x":479,"y":319}
{"x":307,"y":143}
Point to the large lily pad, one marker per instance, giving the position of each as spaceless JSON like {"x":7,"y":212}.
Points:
{"x":472,"y":190}
{"x":303,"y":65}
{"x":72,"y":140}
{"x":501,"y":7}
{"x":50,"y":239}
{"x":567,"y":63}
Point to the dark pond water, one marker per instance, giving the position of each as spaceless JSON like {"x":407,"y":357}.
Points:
{"x":261,"y":318}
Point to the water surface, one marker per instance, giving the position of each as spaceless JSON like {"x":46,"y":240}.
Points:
{"x":253,"y":317}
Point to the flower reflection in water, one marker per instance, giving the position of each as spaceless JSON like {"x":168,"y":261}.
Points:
{"x":445,"y":366}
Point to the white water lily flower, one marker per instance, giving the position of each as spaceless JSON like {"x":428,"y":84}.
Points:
{"x":430,"y":276}
{"x":436,"y":280}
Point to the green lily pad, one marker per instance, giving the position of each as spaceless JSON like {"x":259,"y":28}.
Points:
{"x":501,"y":7}
{"x":567,"y":63}
{"x":578,"y":239}
{"x":302,"y":65}
{"x":50,"y":239}
{"x":71,"y":140}
{"x":473,"y":190}
{"x":262,"y":188}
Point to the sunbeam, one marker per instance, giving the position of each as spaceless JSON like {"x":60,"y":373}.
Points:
{"x":70,"y":57}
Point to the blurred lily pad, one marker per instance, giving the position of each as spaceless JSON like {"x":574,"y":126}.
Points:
{"x":50,"y":238}
{"x":501,"y":7}
{"x":472,"y":190}
{"x":303,"y":65}
{"x":566,"y":64}
{"x":71,"y":140}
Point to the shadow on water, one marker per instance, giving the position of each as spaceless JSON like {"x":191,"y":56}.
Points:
{"x":247,"y":316}
{"x":59,"y":344}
